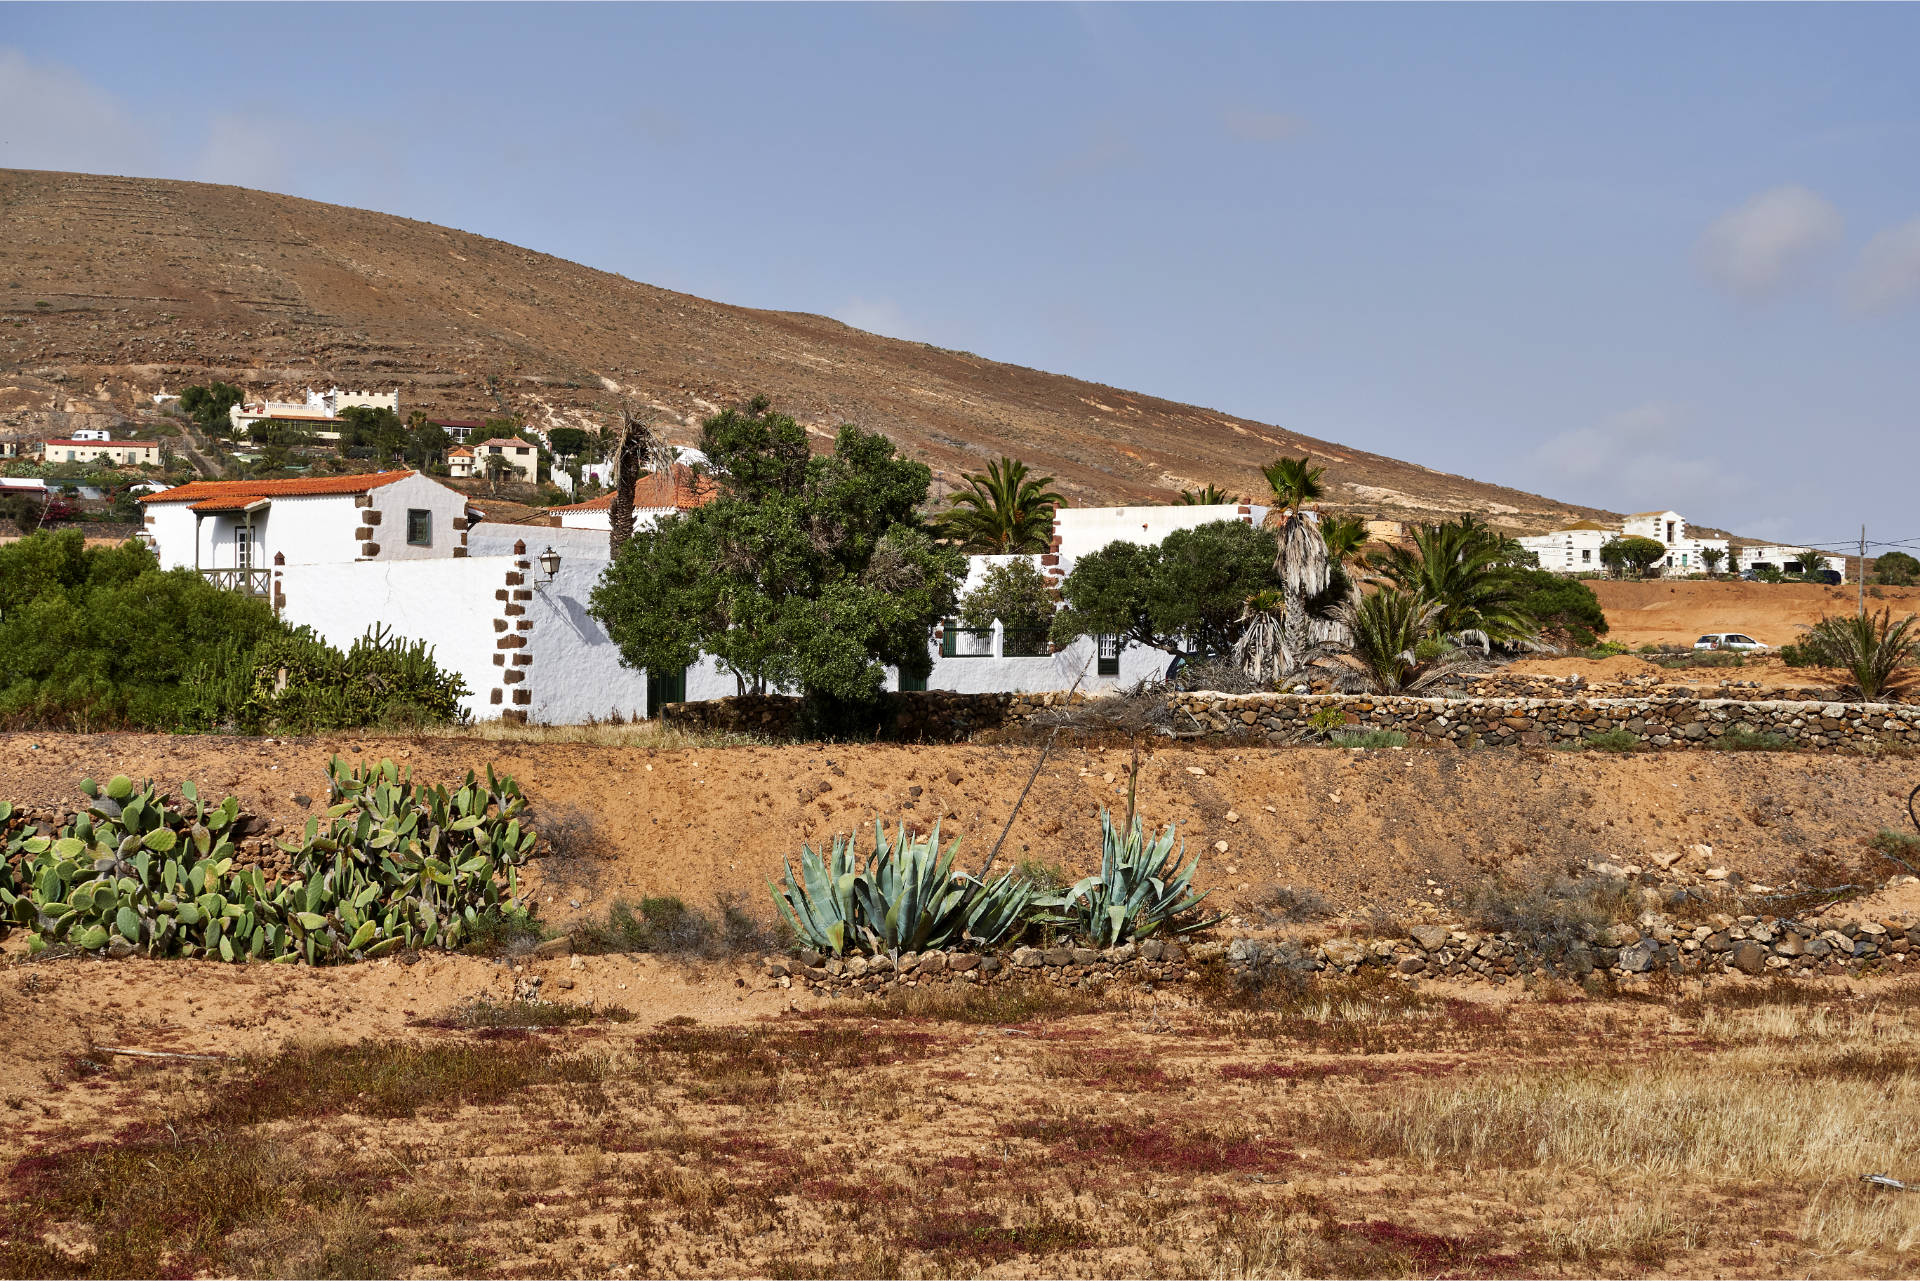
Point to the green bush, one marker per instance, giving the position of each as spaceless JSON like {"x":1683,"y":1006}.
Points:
{"x":1745,"y":740}
{"x":397,"y":865}
{"x":1613,"y":740}
{"x":1367,"y":738}
{"x":1566,"y":608}
{"x":103,"y":638}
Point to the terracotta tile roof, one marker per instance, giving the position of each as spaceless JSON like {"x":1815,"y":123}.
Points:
{"x":108,"y":444}
{"x":304,"y":487}
{"x":461,"y":450}
{"x":230,"y":503}
{"x":678,"y":488}
{"x":497,"y":440}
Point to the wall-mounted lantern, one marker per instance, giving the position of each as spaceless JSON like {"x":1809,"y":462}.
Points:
{"x":549,"y":565}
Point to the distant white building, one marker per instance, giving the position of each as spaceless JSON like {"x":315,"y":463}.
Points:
{"x":1575,"y":549}
{"x":91,"y":446}
{"x":520,"y":455}
{"x":1790,"y":560}
{"x":319,"y":407}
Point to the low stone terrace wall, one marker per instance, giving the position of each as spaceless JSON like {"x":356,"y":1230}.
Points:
{"x":1667,"y":723}
{"x":1755,"y":946}
{"x":1544,"y":722}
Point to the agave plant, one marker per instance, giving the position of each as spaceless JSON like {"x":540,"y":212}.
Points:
{"x":1142,"y":889}
{"x":906,"y":898}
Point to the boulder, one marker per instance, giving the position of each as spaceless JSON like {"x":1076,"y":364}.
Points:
{"x":1059,"y":956}
{"x":1343,"y":952}
{"x":1750,"y":958}
{"x":961,"y":961}
{"x":1639,"y":958}
{"x":1431,"y":938}
{"x":1027,"y":958}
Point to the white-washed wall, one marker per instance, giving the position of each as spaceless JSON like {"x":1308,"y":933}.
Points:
{"x":446,"y":603}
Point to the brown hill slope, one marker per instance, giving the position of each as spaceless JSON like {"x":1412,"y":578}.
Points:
{"x":111,"y":288}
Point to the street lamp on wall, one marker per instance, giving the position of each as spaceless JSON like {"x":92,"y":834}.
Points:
{"x":549,"y":565}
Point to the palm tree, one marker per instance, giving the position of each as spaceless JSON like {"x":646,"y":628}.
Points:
{"x":1344,"y":535}
{"x":1003,"y":510}
{"x":1211,"y":496}
{"x":1294,"y":482}
{"x":1877,"y":652}
{"x":1466,"y":569}
{"x":1387,"y":627}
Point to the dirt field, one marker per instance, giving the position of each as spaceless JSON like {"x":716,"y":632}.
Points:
{"x":1661,"y":613}
{"x":655,"y":1117}
{"x":1360,"y":827}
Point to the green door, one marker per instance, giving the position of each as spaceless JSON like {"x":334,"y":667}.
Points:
{"x":665,"y":687}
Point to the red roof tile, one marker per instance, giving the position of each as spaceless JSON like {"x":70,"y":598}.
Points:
{"x":304,"y":487}
{"x":683,"y":492}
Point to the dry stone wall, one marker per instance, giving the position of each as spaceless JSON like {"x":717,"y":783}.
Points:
{"x":1545,"y":722}
{"x":1662,"y":723}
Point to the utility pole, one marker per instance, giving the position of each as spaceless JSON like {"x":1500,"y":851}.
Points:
{"x":1863,"y":571}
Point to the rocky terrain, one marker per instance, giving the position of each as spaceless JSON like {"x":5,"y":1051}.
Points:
{"x":115,"y":288}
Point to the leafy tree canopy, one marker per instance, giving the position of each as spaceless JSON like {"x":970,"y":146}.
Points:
{"x":1016,"y":593}
{"x":808,"y":572}
{"x":209,"y":406}
{"x":1633,"y":555}
{"x":1564,"y":607}
{"x":1469,"y":570}
{"x":568,"y":441}
{"x":1896,"y":569}
{"x":1186,"y":595}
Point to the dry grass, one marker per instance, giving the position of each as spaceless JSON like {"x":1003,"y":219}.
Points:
{"x":1343,"y":1129}
{"x":647,"y":733}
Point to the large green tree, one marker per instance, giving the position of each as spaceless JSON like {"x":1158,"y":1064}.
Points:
{"x":1633,"y":555}
{"x":1003,"y":510}
{"x":1564,"y":608}
{"x":805,"y":572}
{"x":1187,"y":595}
{"x":209,"y":406}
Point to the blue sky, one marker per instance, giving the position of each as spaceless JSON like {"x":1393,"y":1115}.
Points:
{"x":1633,"y":256}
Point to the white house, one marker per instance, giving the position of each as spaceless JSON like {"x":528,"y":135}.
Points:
{"x":655,"y":495}
{"x":1790,"y":560}
{"x":459,"y":430}
{"x":235,"y":530}
{"x":1575,"y":549}
{"x":87,"y":446}
{"x":460,"y":462}
{"x":523,"y":457}
{"x":320,"y":407}
{"x":1079,"y":531}
{"x":1572,"y":550}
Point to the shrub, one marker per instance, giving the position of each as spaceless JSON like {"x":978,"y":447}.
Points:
{"x":300,"y":684}
{"x":1896,"y":569}
{"x":399,"y":865}
{"x":1550,"y":916}
{"x":664,"y":925}
{"x":1878,"y":653}
{"x":904,"y":897}
{"x":1613,"y":740}
{"x":1746,"y":740}
{"x":1566,"y":609}
{"x":1140,"y":890}
{"x":1367,"y":738}
{"x":1017,"y":594}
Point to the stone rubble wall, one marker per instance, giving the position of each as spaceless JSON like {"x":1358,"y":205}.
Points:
{"x":1544,"y":722}
{"x":1749,"y":945}
{"x":1664,"y":723}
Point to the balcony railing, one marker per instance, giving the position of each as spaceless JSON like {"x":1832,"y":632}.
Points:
{"x":248,"y":582}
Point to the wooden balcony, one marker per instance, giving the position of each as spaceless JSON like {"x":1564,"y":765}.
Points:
{"x":248,"y":582}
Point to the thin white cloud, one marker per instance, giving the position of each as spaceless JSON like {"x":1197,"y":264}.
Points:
{"x":875,"y":315}
{"x":1767,"y":244}
{"x":1888,"y":273}
{"x":51,"y":117}
{"x":1641,"y":459}
{"x":1264,"y":126}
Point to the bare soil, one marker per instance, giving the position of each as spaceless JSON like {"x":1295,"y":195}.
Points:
{"x":1663,"y":613}
{"x":1361,"y":827}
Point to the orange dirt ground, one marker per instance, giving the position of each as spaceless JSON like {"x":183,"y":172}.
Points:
{"x":1663,"y":613}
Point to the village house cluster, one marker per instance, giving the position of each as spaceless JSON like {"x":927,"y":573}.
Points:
{"x":1575,"y":549}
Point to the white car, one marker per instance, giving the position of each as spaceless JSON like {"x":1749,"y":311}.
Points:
{"x":1727,"y":640}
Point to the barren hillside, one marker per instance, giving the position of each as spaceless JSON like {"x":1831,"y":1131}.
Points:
{"x":112,"y":288}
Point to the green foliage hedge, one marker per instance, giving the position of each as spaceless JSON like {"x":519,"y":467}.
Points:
{"x":396,"y":865}
{"x":98,"y":638}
